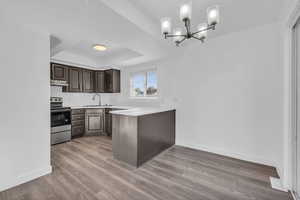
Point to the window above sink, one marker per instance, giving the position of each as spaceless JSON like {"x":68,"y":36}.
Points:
{"x":143,"y":84}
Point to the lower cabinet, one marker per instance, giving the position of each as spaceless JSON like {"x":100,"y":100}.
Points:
{"x":94,"y":121}
{"x":91,"y":122}
{"x":78,"y":122}
{"x":108,"y":122}
{"x":77,"y":131}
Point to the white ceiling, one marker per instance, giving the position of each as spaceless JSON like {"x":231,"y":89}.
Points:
{"x":130,"y":28}
{"x":236,"y":15}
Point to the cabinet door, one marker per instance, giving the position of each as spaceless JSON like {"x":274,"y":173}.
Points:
{"x":100,"y":81}
{"x":108,"y":80}
{"x":112,"y":81}
{"x":88,"y":81}
{"x":58,"y":72}
{"x":94,"y":121}
{"x":77,"y":131}
{"x":78,"y":121}
{"x":108,"y":122}
{"x":75,"y":80}
{"x":116,"y":81}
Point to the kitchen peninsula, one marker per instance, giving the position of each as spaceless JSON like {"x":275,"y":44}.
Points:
{"x":139,"y":134}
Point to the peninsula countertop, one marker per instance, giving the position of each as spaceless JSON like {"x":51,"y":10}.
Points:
{"x":128,"y":110}
{"x":101,"y":107}
{"x":139,"y":111}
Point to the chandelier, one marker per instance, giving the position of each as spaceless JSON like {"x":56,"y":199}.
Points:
{"x":213,"y":18}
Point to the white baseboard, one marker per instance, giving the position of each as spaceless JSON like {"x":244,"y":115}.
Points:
{"x":26,"y":177}
{"x":255,"y":159}
{"x":277,"y":184}
{"x":294,"y":196}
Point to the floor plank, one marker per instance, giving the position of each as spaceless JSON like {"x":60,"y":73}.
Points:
{"x":85,"y":169}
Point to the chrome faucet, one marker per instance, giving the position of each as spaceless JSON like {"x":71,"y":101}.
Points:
{"x":94,"y":97}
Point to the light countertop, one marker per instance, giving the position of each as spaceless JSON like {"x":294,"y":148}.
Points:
{"x":101,"y":107}
{"x":129,"y":110}
{"x":134,"y":112}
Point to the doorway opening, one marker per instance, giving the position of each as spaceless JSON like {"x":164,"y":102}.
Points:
{"x":296,"y":109}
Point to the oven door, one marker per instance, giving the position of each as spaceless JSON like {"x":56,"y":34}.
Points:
{"x":60,"y":117}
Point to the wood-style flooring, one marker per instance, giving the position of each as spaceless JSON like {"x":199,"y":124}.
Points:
{"x":85,"y":169}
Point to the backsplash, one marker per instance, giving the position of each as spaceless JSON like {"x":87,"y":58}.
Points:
{"x":79,"y":99}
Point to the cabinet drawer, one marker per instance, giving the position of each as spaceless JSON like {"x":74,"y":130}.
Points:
{"x":95,"y":111}
{"x":77,"y":131}
{"x":107,"y":110}
{"x":77,"y":111}
{"x":78,"y":123}
{"x":77,"y":117}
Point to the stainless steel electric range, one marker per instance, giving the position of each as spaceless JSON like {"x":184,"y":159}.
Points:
{"x":60,"y":121}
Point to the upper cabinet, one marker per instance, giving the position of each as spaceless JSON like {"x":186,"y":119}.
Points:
{"x":75,"y":80}
{"x":112,"y":81}
{"x":99,"y":82}
{"x":59,"y":72}
{"x":85,"y":80}
{"x":88,"y":81}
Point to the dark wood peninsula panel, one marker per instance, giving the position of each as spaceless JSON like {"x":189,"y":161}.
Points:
{"x":137,"y":139}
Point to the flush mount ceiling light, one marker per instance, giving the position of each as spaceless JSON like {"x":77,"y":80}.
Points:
{"x":99,"y":47}
{"x":213,"y":18}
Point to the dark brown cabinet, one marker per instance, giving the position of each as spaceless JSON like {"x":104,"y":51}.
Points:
{"x":59,"y":72}
{"x":75,"y":80}
{"x":84,"y":80}
{"x":78,"y":122}
{"x":112,"y":81}
{"x":88,"y":81}
{"x":99,"y":82}
{"x":108,"y":122}
{"x":94,"y":121}
{"x":91,"y":122}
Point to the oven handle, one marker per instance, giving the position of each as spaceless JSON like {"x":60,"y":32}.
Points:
{"x":61,"y":110}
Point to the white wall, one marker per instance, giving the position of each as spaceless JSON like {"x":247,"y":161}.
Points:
{"x":79,"y":99}
{"x":25,"y":117}
{"x":74,"y":59}
{"x":228,"y":93}
{"x":289,"y":19}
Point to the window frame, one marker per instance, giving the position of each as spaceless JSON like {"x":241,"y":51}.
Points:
{"x":145,"y":74}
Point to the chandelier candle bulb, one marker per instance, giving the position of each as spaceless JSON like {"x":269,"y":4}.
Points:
{"x":179,"y":36}
{"x":213,"y":15}
{"x":186,"y":12}
{"x":203,"y":31}
{"x":166,"y":25}
{"x":177,"y":32}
